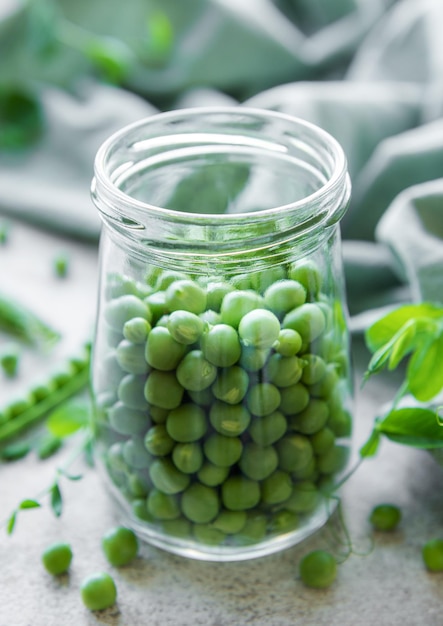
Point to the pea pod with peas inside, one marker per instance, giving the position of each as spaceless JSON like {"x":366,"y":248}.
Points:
{"x":238,"y":396}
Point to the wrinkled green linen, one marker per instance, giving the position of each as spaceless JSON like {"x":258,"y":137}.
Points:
{"x":368,"y":71}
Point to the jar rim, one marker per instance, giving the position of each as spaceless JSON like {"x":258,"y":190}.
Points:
{"x":105,"y":189}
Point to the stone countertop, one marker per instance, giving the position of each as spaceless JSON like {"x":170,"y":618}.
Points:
{"x":382,"y":582}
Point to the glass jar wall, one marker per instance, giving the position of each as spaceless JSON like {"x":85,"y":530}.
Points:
{"x":221,"y":377}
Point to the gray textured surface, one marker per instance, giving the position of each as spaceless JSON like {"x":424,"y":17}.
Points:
{"x":387,"y":587}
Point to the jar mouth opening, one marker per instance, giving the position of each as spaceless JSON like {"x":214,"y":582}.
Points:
{"x":170,"y":139}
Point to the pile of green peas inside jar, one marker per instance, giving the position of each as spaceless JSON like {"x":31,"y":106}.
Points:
{"x":221,"y":405}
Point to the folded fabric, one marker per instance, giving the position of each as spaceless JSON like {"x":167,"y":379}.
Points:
{"x":48,"y":184}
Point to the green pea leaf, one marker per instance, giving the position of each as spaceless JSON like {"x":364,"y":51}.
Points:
{"x":68,"y":418}
{"x":417,"y":427}
{"x":29,"y":504}
{"x":11,"y":523}
{"x":56,"y":500}
{"x":384,"y":329}
{"x":370,"y":448}
{"x":425,"y":370}
{"x":111,"y":56}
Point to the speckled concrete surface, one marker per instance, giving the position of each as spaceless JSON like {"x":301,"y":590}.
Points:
{"x":387,"y":587}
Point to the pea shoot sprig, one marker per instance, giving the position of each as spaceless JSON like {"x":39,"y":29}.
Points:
{"x":413,"y":332}
{"x":63,"y":422}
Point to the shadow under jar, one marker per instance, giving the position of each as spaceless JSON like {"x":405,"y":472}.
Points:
{"x":221,"y":376}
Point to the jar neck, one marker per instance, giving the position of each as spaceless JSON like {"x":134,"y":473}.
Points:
{"x":269,"y":181}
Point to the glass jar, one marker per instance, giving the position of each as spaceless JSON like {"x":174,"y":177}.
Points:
{"x":221,"y":374}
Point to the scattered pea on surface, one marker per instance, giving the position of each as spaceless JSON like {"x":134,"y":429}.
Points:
{"x":98,"y":591}
{"x":432,"y":553}
{"x":57,"y":558}
{"x":318,"y":569}
{"x":120,"y":545}
{"x":61,"y":265}
{"x":385,"y":517}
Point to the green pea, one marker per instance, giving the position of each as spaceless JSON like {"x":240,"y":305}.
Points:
{"x":140,"y":511}
{"x":318,"y":569}
{"x":312,"y":419}
{"x":131,"y":357}
{"x":119,"y":310}
{"x":9,"y":361}
{"x":385,"y":517}
{"x":216,"y":291}
{"x":157,"y":305}
{"x":230,"y":420}
{"x":186,"y":423}
{"x":333,"y":460}
{"x":212,"y":475}
{"x":326,"y":385}
{"x":187,"y":457}
{"x":167,"y":277}
{"x":203,"y":398}
{"x":57,"y":558}
{"x":127,"y":421}
{"x":166,"y":477}
{"x":185,"y":295}
{"x":98,"y":591}
{"x":200,"y":503}
{"x":314,"y":369}
{"x":283,"y":521}
{"x":131,"y":392}
{"x":340,"y":420}
{"x":252,"y":359}
{"x":185,"y":327}
{"x":135,"y":454}
{"x":308,"y":320}
{"x":263,"y":399}
{"x":231,"y":385}
{"x":230,"y":522}
{"x":242,"y":282}
{"x":115,"y":458}
{"x":163,"y":390}
{"x":195,"y":372}
{"x":294,"y":452}
{"x":258,"y":462}
{"x":268,"y":429}
{"x":276,"y":488}
{"x":254,"y":529}
{"x":221,"y":450}
{"x":284,"y":371}
{"x":236,"y":304}
{"x":284,"y":295}
{"x":157,"y":441}
{"x":259,"y":328}
{"x":289,"y":342}
{"x":240,"y":493}
{"x":136,"y":330}
{"x":221,"y":346}
{"x":432,"y":553}
{"x":179,"y":527}
{"x":119,"y":285}
{"x":109,"y":373}
{"x":138,"y":485}
{"x":163,"y":506}
{"x":304,"y":498}
{"x":308,"y":274}
{"x":158,"y":415}
{"x":294,"y":399}
{"x":210,"y":317}
{"x":307,"y":472}
{"x":120,"y":545}
{"x":322,"y":440}
{"x":162,"y":351}
{"x":262,"y":280}
{"x":207,"y":534}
